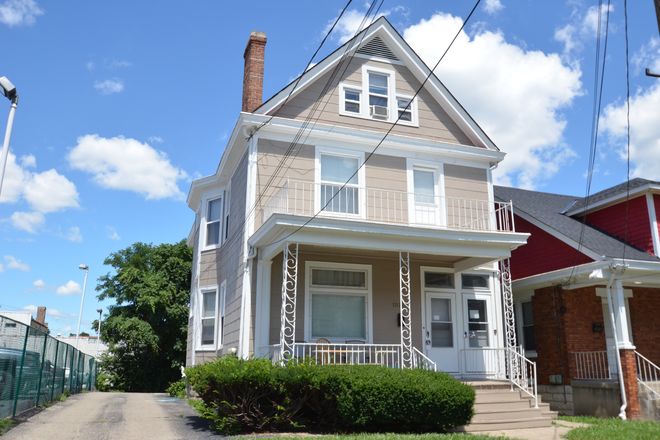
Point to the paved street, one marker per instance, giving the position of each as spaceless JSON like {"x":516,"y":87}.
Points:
{"x":110,"y":416}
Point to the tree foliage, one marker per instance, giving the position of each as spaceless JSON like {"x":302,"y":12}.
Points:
{"x":146,"y":329}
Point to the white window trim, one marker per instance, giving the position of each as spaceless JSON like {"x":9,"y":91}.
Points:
{"x":361,"y":181}
{"x":391,"y":91}
{"x":208,"y":196}
{"x":414,"y":114}
{"x":221,"y":303}
{"x":200,"y":300}
{"x":439,"y":177}
{"x":368,"y":294}
{"x":342,"y":99}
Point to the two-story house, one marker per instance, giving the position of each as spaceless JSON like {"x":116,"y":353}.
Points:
{"x":352,"y":219}
{"x":586,"y":289}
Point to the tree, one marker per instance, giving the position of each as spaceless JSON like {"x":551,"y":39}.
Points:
{"x":81,"y":334}
{"x":146,"y":330}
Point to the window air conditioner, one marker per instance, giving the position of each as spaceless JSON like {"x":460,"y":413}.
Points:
{"x":379,"y":111}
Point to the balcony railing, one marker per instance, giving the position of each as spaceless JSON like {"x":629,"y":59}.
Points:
{"x":331,"y":200}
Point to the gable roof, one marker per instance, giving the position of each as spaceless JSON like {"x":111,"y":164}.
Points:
{"x":610,"y":193}
{"x":545,"y":211}
{"x":381,"y":40}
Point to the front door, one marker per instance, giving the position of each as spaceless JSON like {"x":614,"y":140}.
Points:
{"x":441,"y":341}
{"x":479,"y":357}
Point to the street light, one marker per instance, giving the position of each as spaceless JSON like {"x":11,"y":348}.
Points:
{"x":86,"y":269}
{"x":98,"y":338}
{"x":9,"y":91}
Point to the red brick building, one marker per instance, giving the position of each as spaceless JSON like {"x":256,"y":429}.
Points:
{"x":585,"y":262}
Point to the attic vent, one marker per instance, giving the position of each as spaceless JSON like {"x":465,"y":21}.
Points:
{"x":377,"y":48}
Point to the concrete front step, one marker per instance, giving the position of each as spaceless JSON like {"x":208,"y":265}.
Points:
{"x":496,"y":407}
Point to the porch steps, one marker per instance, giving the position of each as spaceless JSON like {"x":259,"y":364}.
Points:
{"x":498,"y":408}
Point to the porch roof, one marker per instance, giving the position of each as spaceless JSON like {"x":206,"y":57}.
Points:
{"x":471,"y":248}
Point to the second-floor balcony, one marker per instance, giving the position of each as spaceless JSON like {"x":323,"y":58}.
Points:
{"x":388,"y":206}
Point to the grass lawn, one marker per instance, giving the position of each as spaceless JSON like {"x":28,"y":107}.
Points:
{"x":612,"y":429}
{"x":460,"y":436}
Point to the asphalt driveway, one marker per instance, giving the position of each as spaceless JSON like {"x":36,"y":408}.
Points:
{"x":110,"y":416}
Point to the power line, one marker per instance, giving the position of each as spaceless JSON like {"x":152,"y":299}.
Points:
{"x":625,"y":234}
{"x":387,"y":133}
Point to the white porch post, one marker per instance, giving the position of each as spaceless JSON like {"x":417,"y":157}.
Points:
{"x":622,"y":327}
{"x":289,"y":289}
{"x":404,"y":301}
{"x":509,"y":318}
{"x":262,"y":323}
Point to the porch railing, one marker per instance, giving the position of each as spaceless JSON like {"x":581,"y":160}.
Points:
{"x":420,"y":360}
{"x":522,"y":374}
{"x":648,"y":374}
{"x":308,"y":198}
{"x":592,"y":364}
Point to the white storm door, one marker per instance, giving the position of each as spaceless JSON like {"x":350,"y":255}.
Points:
{"x":441,"y":341}
{"x":479,"y":357}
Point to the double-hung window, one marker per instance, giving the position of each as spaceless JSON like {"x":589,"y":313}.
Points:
{"x":338,"y":303}
{"x":379,"y":95}
{"x":528,"y":339}
{"x":208,"y":318}
{"x":214,"y":222}
{"x":337,"y":171}
{"x":227,"y":200}
{"x":404,"y":107}
{"x":352,"y":100}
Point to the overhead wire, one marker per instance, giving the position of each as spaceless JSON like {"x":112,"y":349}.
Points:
{"x":625,"y":233}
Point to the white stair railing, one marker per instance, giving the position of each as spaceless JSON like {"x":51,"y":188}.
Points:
{"x":522,"y":374}
{"x":648,"y":374}
{"x":420,"y":360}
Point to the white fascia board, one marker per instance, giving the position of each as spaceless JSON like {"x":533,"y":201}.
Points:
{"x":558,"y":235}
{"x":190,"y":242}
{"x":395,"y":145}
{"x":230,"y":157}
{"x":613,"y":200}
{"x":357,"y":234}
{"x":418,"y":68}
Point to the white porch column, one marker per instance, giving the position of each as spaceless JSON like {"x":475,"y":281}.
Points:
{"x":289,"y":290}
{"x":622,"y":326}
{"x":262,"y":324}
{"x":404,"y":301}
{"x":507,"y":300}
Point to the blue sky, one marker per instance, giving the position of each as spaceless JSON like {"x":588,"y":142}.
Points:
{"x":123,"y":103}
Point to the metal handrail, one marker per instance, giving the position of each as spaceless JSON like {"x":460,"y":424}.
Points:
{"x":522,"y":374}
{"x":420,"y":360}
{"x":389,"y":206}
{"x":648,"y":374}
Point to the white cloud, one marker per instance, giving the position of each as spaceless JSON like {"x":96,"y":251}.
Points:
{"x":352,"y":21}
{"x":515,"y":95}
{"x":65,"y":330}
{"x":644,"y":131}
{"x":109,"y":86}
{"x":648,"y":56}
{"x":46,"y":192}
{"x":493,"y":6}
{"x":13,"y":263}
{"x":70,"y":288}
{"x":90,"y":65}
{"x":28,"y":221}
{"x":39,"y":284}
{"x":118,"y":63}
{"x":583,"y":25}
{"x":127,"y":164}
{"x":112,"y":233}
{"x":73,"y":234}
{"x":155,"y":139}
{"x":50,"y":192}
{"x":19,"y":12}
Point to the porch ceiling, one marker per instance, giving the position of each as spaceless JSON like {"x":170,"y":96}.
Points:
{"x":461,"y":249}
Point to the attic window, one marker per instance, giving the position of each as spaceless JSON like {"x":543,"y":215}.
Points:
{"x":377,"y":48}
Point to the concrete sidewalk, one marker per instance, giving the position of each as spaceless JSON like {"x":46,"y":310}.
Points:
{"x":555,"y":432}
{"x":115,"y":416}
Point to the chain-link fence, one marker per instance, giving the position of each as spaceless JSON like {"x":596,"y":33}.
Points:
{"x":36,"y":368}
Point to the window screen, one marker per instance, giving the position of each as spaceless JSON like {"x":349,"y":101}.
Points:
{"x":338,"y":316}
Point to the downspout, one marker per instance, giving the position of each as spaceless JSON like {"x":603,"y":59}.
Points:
{"x":622,"y":411}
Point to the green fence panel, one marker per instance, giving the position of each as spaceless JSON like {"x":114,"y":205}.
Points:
{"x":36,"y":368}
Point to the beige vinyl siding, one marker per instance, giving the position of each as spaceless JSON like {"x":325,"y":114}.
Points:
{"x":434,"y":122}
{"x":225,"y":263}
{"x":385,"y":295}
{"x":466,"y":189}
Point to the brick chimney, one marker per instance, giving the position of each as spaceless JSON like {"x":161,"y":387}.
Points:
{"x":253,"y":73}
{"x":41,"y":315}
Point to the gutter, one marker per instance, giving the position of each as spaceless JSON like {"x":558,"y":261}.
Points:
{"x":614,"y":268}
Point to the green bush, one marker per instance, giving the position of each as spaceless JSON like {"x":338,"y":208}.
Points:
{"x":256,"y":396}
{"x":177,"y":389}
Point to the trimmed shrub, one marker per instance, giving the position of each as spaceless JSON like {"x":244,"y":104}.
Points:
{"x":256,"y":396}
